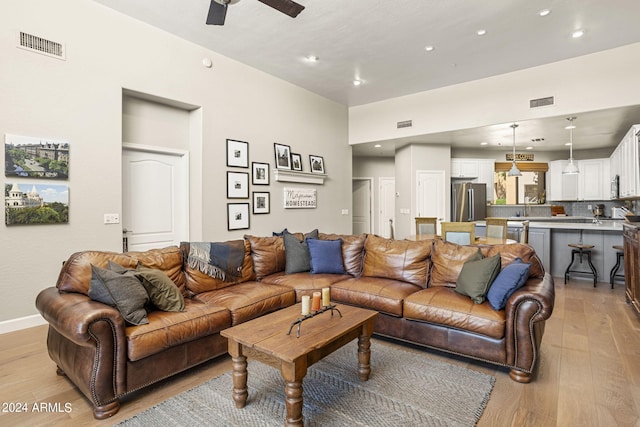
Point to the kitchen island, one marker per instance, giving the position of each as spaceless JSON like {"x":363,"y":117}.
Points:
{"x":549,"y":236}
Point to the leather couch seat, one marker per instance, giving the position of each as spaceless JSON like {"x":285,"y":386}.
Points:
{"x":374,"y":293}
{"x":169,"y":329}
{"x":304,"y":283}
{"x":444,"y":306}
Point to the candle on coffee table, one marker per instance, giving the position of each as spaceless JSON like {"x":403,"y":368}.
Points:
{"x":326,"y":297}
{"x":306,"y":305}
{"x":315,"y":303}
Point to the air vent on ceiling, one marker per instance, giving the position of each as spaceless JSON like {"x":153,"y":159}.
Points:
{"x":541,"y":102}
{"x":404,"y":124}
{"x":41,"y":45}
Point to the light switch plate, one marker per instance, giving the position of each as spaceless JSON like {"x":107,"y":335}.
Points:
{"x":113,"y":218}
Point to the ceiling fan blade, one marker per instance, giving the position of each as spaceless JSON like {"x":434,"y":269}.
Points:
{"x":217,"y":13}
{"x":288,"y":7}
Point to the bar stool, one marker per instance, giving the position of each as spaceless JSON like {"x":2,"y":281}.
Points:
{"x":614,"y":271}
{"x":581,"y":249}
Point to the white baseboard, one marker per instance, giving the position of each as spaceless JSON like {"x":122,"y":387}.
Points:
{"x":13,"y":325}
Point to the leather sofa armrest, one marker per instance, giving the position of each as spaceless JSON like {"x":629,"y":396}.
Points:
{"x":72,"y":315}
{"x":526,"y":311}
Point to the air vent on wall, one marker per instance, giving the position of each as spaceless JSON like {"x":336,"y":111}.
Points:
{"x":41,"y":45}
{"x":541,"y":102}
{"x":405,"y":124}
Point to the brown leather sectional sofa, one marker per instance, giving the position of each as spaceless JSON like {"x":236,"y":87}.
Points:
{"x":411,"y":284}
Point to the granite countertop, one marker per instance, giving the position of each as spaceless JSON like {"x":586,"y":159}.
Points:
{"x":565,"y":223}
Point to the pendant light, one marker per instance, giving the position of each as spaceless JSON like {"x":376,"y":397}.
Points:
{"x":571,"y":168}
{"x":514,"y":171}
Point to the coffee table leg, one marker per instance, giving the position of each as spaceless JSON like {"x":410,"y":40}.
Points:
{"x":239,"y":374}
{"x":293,"y":375}
{"x":364,"y":351}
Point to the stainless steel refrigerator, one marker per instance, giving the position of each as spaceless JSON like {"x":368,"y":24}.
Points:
{"x":468,"y":202}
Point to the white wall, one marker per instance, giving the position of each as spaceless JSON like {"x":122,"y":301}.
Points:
{"x":81,"y":100}
{"x":592,"y":82}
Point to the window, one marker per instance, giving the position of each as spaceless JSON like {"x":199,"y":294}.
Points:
{"x":517,"y":190}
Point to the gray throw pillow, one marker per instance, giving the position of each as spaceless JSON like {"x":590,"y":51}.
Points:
{"x":121,"y":291}
{"x":476,"y":277}
{"x":297,"y":255}
{"x":164,"y":294}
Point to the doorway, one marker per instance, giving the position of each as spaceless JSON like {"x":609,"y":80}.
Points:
{"x":362,"y":198}
{"x":155,"y":197}
{"x":431,"y":197}
{"x":387,"y":206}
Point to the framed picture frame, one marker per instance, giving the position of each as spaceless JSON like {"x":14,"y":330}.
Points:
{"x":296,"y":162}
{"x":237,"y":185}
{"x":259,"y":173}
{"x":283,"y":156}
{"x":261,"y":202}
{"x":237,"y":216}
{"x":316,"y":164}
{"x":237,"y":153}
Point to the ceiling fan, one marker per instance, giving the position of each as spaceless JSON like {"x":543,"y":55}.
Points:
{"x":218,"y":9}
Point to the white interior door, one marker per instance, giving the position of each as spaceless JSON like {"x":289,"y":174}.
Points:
{"x":155,"y":202}
{"x":361,"y":221}
{"x":387,"y":204}
{"x":431,"y":198}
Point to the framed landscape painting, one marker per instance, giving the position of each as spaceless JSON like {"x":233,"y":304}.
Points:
{"x":31,"y":157}
{"x":30,"y":203}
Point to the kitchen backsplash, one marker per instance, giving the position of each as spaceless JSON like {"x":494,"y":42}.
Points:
{"x":570,"y":208}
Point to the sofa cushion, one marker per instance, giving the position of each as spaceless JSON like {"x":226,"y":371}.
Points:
{"x":163,"y":293}
{"x":352,"y":250}
{"x":249,"y":300}
{"x":375,"y":293}
{"x":197,"y":281}
{"x":304,"y":283}
{"x":509,"y":252}
{"x":397,"y":259}
{"x":297,"y":252}
{"x":326,"y":256}
{"x":512,"y":277}
{"x":168,"y":260}
{"x":267,"y":254}
{"x":122,"y":291}
{"x":443,"y":306}
{"x":447,"y":260}
{"x":476,"y":277}
{"x":169,"y":329}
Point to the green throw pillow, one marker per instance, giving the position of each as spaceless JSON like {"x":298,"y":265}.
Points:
{"x":121,"y":291}
{"x":476,"y":277}
{"x":164,"y":294}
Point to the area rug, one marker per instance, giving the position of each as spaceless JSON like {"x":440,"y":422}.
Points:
{"x":404,"y":389}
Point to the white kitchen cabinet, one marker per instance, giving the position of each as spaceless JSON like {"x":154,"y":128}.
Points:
{"x":593,"y":179}
{"x":464,"y":168}
{"x":561,"y":186}
{"x":629,"y":169}
{"x":486,"y":175}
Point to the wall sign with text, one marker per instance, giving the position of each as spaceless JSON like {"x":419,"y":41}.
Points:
{"x":300,"y":198}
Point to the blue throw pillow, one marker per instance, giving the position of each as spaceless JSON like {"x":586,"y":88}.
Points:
{"x":508,"y":281}
{"x":326,"y":256}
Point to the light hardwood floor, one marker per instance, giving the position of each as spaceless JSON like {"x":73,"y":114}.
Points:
{"x":588,"y":372}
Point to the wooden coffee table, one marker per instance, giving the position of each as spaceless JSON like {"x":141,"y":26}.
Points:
{"x":267,"y":338}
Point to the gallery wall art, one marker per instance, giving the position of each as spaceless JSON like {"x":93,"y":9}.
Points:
{"x":33,"y":157}
{"x":31,"y":203}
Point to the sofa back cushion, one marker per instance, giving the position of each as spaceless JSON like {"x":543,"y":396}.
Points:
{"x":509,"y":253}
{"x":352,"y":250}
{"x":75,"y":275}
{"x":197,"y":282}
{"x":403,"y":260}
{"x":447,"y":260}
{"x":267,"y":254}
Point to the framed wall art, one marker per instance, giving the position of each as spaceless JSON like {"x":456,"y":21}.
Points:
{"x":261,"y":202}
{"x":237,"y":153}
{"x":237,"y":216}
{"x":283,"y":156}
{"x":296,"y":162}
{"x":31,"y":203}
{"x":237,"y":185}
{"x":296,"y":198}
{"x":316,"y":163}
{"x":260,"y":173}
{"x":31,"y":157}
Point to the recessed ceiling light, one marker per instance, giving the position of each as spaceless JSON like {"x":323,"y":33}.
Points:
{"x":311,"y":58}
{"x":544,"y":12}
{"x":377,"y":146}
{"x":357,"y":82}
{"x":529,"y":148}
{"x":567,"y":144}
{"x":484,"y":143}
{"x":429,"y":48}
{"x":481,"y":32}
{"x":577,"y":34}
{"x":570,"y":127}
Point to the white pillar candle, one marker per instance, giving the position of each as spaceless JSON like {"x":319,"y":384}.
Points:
{"x":326,"y":297}
{"x":306,"y":305}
